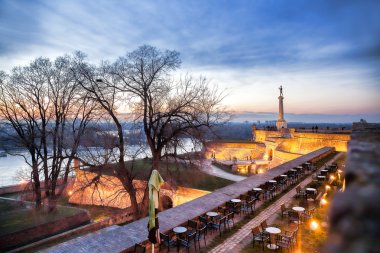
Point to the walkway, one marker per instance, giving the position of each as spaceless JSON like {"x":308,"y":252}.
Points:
{"x":232,"y":242}
{"x":210,"y":169}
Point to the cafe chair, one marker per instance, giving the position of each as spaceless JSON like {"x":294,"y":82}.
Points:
{"x":189,"y":240}
{"x":258,"y":236}
{"x":284,"y":242}
{"x":167,"y":241}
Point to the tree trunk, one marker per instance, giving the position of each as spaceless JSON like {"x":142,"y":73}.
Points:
{"x":128,"y":185}
{"x":36,"y":185}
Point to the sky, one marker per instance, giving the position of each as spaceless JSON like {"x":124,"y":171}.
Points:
{"x":325,"y":54}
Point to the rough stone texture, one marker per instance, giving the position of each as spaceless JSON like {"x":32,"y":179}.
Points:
{"x":355,"y":217}
{"x":303,"y":143}
{"x":117,"y":239}
{"x":229,"y":150}
{"x":108,"y":192}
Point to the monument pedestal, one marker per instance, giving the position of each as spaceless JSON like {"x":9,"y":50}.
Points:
{"x":281,"y":123}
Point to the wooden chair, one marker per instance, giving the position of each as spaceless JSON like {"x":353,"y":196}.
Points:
{"x":300,"y":192}
{"x":192,"y":227}
{"x":293,"y":217}
{"x":167,"y":241}
{"x":204,"y":221}
{"x":263,"y":226}
{"x":284,"y":211}
{"x":201,"y":232}
{"x":307,"y":214}
{"x":139,"y":248}
{"x":188,"y":241}
{"x":284,"y":241}
{"x":230,"y":219}
{"x":258,"y":236}
{"x":218,"y":225}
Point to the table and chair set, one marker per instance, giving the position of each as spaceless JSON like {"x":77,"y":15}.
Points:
{"x":324,"y":175}
{"x":273,"y":237}
{"x":222,"y":218}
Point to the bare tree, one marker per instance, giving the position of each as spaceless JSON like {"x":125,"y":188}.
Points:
{"x":168,"y":109}
{"x":49,"y":111}
{"x":108,"y":97}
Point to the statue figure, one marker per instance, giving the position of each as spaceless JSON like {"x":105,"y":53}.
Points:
{"x":281,"y":90}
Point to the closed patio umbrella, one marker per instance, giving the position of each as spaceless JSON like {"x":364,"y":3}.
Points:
{"x":154,"y":185}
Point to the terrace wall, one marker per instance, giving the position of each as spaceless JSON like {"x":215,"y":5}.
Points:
{"x":354,"y":215}
{"x":229,"y":150}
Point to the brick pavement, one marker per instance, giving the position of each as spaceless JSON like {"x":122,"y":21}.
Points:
{"x":232,"y":242}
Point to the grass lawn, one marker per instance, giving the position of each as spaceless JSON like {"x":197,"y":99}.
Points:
{"x":16,"y":216}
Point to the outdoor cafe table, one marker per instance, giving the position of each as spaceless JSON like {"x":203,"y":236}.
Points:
{"x":235,"y":200}
{"x":299,"y":209}
{"x":212,"y":214}
{"x":272,"y":231}
{"x":321,"y":178}
{"x":310,"y":191}
{"x":272,"y":181}
{"x":257,"y":189}
{"x":179,"y":231}
{"x":324,"y":172}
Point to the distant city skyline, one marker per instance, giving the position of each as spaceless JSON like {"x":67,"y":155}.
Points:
{"x":326,"y":54}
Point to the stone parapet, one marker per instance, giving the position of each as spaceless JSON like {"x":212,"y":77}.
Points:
{"x":354,"y":215}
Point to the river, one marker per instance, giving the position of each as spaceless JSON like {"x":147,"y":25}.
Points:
{"x":13,"y":167}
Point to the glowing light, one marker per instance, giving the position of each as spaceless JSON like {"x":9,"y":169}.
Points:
{"x":323,"y":202}
{"x":340,"y":171}
{"x":314,"y":225}
{"x":70,"y":193}
{"x":23,"y":181}
{"x":328,"y":187}
{"x":260,"y":171}
{"x":332,"y":177}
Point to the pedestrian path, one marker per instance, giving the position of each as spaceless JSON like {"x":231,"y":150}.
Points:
{"x":233,"y":241}
{"x":209,"y":168}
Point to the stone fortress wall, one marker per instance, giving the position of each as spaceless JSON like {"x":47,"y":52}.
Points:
{"x":275,"y":146}
{"x":303,"y":143}
{"x":239,"y":150}
{"x":110,"y":192}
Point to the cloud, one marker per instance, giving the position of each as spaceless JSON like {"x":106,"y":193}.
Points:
{"x":324,"y":53}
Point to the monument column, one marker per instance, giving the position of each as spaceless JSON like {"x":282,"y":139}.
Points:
{"x":281,"y":123}
{"x":281,"y":108}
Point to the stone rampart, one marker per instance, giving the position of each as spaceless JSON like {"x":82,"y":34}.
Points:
{"x":303,"y":143}
{"x":229,"y":150}
{"x":183,"y":195}
{"x":284,"y":156}
{"x":354,"y":215}
{"x":108,"y":191}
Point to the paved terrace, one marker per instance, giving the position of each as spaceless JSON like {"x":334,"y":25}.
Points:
{"x":120,"y":238}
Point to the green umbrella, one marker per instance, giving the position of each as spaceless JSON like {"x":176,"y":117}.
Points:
{"x":154,"y":185}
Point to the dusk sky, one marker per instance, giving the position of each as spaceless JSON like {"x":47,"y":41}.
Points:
{"x":326,"y":54}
